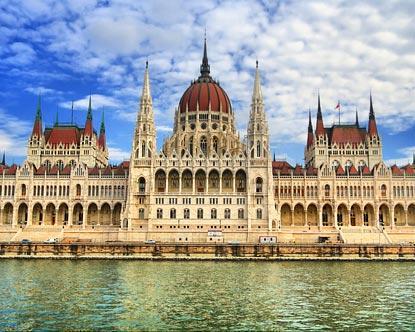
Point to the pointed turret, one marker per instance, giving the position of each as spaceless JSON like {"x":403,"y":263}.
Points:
{"x":88,"y":124}
{"x":320,"y":131}
{"x":257,"y":93}
{"x":372,"y":128}
{"x":204,"y":67}
{"x":3,"y":160}
{"x":37,"y":126}
{"x":357,"y":119}
{"x":310,"y":136}
{"x":146,"y":93}
{"x":102,"y":138}
{"x":258,"y":124}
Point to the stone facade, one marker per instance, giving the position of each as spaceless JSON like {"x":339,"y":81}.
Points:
{"x":207,"y":184}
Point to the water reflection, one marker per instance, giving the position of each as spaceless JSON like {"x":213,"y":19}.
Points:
{"x":123,"y":295}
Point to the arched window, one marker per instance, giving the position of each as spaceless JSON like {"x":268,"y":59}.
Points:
{"x":259,"y":213}
{"x":199,"y":213}
{"x":23,"y":190}
{"x":47,"y":164}
{"x":327,"y":190}
{"x":186,"y":214}
{"x":141,"y":185}
{"x":203,"y":145}
{"x":241,"y":214}
{"x":258,"y":149}
{"x":213,"y":214}
{"x":383,"y":190}
{"x":258,"y":185}
{"x":78,"y":190}
{"x":191,"y":145}
{"x":172,"y":213}
{"x":215,"y":144}
{"x":159,"y":213}
{"x":60,"y":165}
{"x":227,"y":214}
{"x":143,"y":149}
{"x":141,"y":213}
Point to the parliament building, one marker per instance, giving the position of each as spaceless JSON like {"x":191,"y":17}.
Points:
{"x":207,"y":184}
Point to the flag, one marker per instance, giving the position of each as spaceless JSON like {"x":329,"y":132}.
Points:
{"x":338,"y":105}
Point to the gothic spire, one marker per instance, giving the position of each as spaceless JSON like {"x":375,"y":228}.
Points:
{"x":3,"y":160}
{"x":37,"y":126}
{"x":88,"y":124}
{"x":146,"y":93}
{"x":319,"y":125}
{"x":310,"y":137}
{"x":257,"y":93}
{"x":357,"y":119}
{"x":204,"y":67}
{"x":102,"y":138}
{"x":372,"y":128}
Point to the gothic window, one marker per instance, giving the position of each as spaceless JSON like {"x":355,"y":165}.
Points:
{"x":173,"y":180}
{"x":215,"y":144}
{"x":47,"y":164}
{"x":186,"y":214}
{"x":143,"y":149}
{"x":213,"y":214}
{"x":172,"y":213}
{"x":78,"y":190}
{"x":227,"y":180}
{"x":159,"y":213}
{"x":199,"y":213}
{"x":141,"y":185}
{"x":259,"y":213}
{"x":241,"y":213}
{"x":141,"y":213}
{"x":191,"y":145}
{"x":259,"y":185}
{"x":213,"y":180}
{"x":327,"y":190}
{"x":23,"y":190}
{"x":200,"y":179}
{"x":383,"y":190}
{"x":240,"y":181}
{"x":227,"y":214}
{"x":203,"y":145}
{"x":161,"y":181}
{"x":258,"y":149}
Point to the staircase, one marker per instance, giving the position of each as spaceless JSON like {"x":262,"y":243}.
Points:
{"x":364,"y":235}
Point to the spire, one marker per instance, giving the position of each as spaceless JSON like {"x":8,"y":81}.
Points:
{"x":102,"y":138}
{"x":88,"y":124}
{"x":310,"y":137}
{"x":146,"y":93}
{"x":57,"y":117}
{"x":257,"y":93}
{"x":319,"y":125}
{"x":204,"y":67}
{"x":357,"y":119}
{"x":275,"y":159}
{"x":372,"y":128}
{"x":3,"y":161}
{"x":37,"y":126}
{"x":72,"y":113}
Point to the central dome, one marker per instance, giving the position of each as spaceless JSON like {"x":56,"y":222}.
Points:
{"x":204,"y":92}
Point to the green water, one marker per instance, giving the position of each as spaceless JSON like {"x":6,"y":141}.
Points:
{"x":137,"y":295}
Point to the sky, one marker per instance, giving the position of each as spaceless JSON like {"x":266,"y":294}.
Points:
{"x":67,"y":50}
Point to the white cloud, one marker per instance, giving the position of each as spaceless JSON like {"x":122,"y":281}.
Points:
{"x":97,"y":101}
{"x":117,"y":154}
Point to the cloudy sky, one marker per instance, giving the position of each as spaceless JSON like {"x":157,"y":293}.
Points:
{"x":69,"y":49}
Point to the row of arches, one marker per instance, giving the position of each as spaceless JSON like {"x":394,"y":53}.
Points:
{"x":343,"y":216}
{"x":51,"y":214}
{"x":200,"y":182}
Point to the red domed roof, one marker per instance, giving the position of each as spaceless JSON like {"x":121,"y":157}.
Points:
{"x":205,"y":91}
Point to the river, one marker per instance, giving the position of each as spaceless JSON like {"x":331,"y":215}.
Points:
{"x":145,"y":295}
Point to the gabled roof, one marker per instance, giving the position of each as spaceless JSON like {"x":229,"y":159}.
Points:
{"x":353,"y":171}
{"x":396,"y":170}
{"x":366,"y":171}
{"x":311,"y":170}
{"x":93,"y":171}
{"x":340,"y":170}
{"x":298,"y":170}
{"x":65,"y":135}
{"x":283,"y":166}
{"x":343,"y":134}
{"x":409,"y":169}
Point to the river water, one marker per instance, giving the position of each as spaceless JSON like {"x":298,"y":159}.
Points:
{"x":144,"y":295}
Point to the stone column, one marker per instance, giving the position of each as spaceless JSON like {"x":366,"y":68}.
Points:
{"x":305,"y":218}
{"x":392,"y":217}
{"x":180,"y":183}
{"x":29,"y":214}
{"x":292,"y":217}
{"x":70,"y":215}
{"x":406,"y":217}
{"x":84,"y":216}
{"x":320,"y":216}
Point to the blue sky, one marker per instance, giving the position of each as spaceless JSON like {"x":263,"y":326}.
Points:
{"x":69,"y":49}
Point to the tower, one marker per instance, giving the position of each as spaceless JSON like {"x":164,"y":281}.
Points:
{"x":260,"y":198}
{"x":36,"y":140}
{"x":141,"y":165}
{"x":373,"y":139}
